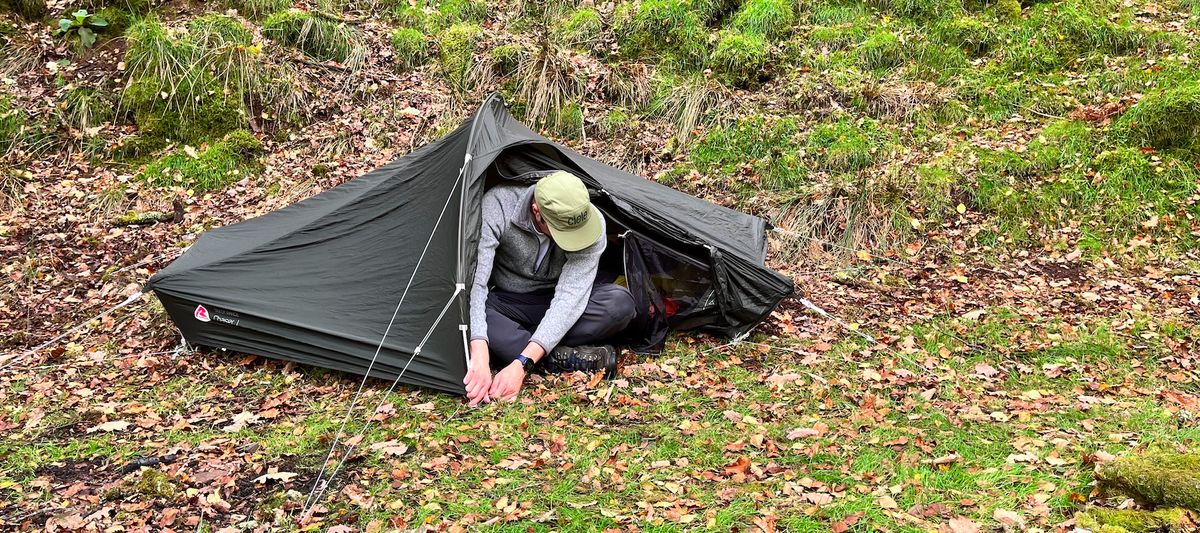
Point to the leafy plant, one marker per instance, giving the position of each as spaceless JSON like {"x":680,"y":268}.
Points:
{"x":82,"y":27}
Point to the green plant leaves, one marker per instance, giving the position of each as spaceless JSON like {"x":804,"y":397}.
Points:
{"x":87,"y":37}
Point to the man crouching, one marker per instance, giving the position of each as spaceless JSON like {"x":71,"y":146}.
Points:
{"x":534,"y":301}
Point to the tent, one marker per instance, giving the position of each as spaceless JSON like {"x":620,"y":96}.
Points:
{"x":378,"y":268}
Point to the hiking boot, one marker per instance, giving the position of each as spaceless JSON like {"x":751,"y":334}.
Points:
{"x":582,"y":358}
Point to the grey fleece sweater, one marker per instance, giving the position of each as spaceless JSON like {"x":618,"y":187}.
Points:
{"x":508,"y":251}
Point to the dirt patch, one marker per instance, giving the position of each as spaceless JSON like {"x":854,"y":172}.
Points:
{"x":84,"y":470}
{"x":1063,"y":271}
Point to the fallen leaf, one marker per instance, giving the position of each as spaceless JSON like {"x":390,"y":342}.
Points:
{"x":110,"y":426}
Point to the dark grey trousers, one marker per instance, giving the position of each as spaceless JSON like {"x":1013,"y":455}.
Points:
{"x":512,"y":317}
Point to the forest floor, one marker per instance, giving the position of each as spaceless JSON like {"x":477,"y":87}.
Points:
{"x":1001,"y":224}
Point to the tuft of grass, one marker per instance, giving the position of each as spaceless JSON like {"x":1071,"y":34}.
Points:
{"x":1166,"y":119}
{"x":257,"y":9}
{"x":771,"y":19}
{"x":410,"y":47}
{"x":456,"y":53}
{"x":232,"y":158}
{"x":21,"y":136}
{"x":318,"y":37}
{"x":581,"y":27}
{"x":846,"y":145}
{"x":451,"y":12}
{"x":838,"y":13}
{"x":214,"y":31}
{"x":27,"y":9}
{"x":742,"y":57}
{"x":84,"y":108}
{"x":684,"y":99}
{"x":546,"y":83}
{"x":881,"y":50}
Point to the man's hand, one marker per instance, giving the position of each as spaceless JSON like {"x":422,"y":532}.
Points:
{"x":508,"y":381}
{"x":479,"y":377}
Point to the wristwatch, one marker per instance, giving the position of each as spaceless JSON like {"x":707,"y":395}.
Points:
{"x":526,"y":363}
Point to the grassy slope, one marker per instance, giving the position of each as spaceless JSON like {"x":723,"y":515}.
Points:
{"x":869,"y":126}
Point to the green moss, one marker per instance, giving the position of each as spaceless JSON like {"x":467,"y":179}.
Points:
{"x":1006,"y":9}
{"x":1167,"y":520}
{"x":232,"y":158}
{"x":457,"y":51}
{"x":973,"y":35}
{"x":1058,"y":181}
{"x":1161,"y":478}
{"x":919,"y":9}
{"x":742,"y":58}
{"x":881,"y":50}
{"x":196,"y":110}
{"x":410,"y":46}
{"x":318,"y":37}
{"x":257,"y":9}
{"x":568,"y":121}
{"x":770,"y":18}
{"x":761,"y":151}
{"x":837,"y":37}
{"x":845,"y":145}
{"x":507,"y":57}
{"x":581,"y":27}
{"x":150,"y":484}
{"x":27,"y":9}
{"x":1168,"y":118}
{"x":1056,"y":36}
{"x":670,"y":27}
{"x":118,"y":20}
{"x":615,"y":121}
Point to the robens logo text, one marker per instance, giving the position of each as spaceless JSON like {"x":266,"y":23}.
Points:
{"x":202,"y":314}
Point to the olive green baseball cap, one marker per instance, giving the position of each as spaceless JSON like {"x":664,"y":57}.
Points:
{"x":565,"y":206}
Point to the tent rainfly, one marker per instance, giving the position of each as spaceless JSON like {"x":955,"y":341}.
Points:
{"x":378,"y":268}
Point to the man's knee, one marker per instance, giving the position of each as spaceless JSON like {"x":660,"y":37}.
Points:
{"x":616,"y":306}
{"x":621,"y":307}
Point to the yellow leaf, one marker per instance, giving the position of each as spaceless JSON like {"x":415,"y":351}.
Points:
{"x":916,"y":223}
{"x":961,"y":209}
{"x":864,"y":255}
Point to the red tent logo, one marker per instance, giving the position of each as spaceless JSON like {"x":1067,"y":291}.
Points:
{"x":201,"y":313}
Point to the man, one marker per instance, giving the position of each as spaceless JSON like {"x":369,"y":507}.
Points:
{"x":534,"y":295}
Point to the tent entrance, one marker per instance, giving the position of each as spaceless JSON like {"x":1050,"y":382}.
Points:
{"x":672,"y":288}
